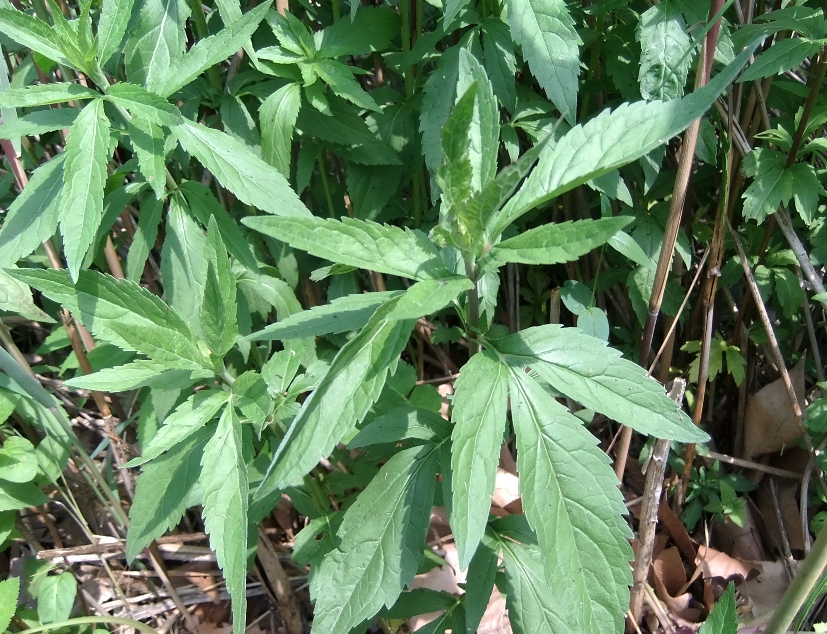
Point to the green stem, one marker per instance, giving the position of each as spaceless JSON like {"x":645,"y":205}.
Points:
{"x":801,"y":587}
{"x":88,"y":620}
{"x":473,"y":309}
{"x":815,"y":89}
{"x":405,"y":15}
{"x":336,"y":10}
{"x":418,"y":186}
{"x":325,"y":183}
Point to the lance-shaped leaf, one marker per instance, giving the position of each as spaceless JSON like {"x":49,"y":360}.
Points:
{"x":190,"y":416}
{"x":545,"y":31}
{"x":404,"y":423}
{"x":781,"y":57}
{"x":438,"y":98}
{"x":32,"y":33}
{"x":112,"y":23}
{"x":161,"y":492}
{"x":219,"y":322}
{"x":278,"y":115}
{"x":144,"y":239}
{"x":724,"y":617}
{"x":665,"y":52}
{"x":32,"y":217}
{"x":44,"y":95}
{"x":131,"y":376}
{"x":359,"y":243}
{"x":500,"y":62}
{"x":533,"y":606}
{"x":609,"y":141}
{"x":596,"y":376}
{"x":239,"y":170}
{"x":572,"y":502}
{"x":224,"y":482}
{"x":482,"y":572}
{"x":341,"y":81}
{"x":341,"y":315}
{"x":555,"y":243}
{"x":429,"y":296}
{"x":38,"y":122}
{"x":142,"y":102}
{"x":381,"y":543}
{"x":84,"y":175}
{"x":122,"y":313}
{"x":351,"y":385}
{"x":484,"y":132}
{"x":157,"y":43}
{"x":455,"y":174}
{"x":210,"y":51}
{"x":479,"y":410}
{"x":148,"y":142}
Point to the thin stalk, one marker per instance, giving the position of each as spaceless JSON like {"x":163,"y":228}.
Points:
{"x":91,"y":620}
{"x":405,"y":17}
{"x":473,"y":309}
{"x":203,"y":31}
{"x":337,"y":12}
{"x":325,"y":184}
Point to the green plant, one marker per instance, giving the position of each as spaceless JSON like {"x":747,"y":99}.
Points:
{"x":715,"y":493}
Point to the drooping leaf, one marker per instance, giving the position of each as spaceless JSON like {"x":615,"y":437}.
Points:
{"x":555,"y":243}
{"x":38,"y":122}
{"x":122,"y":313}
{"x":609,"y":141}
{"x":351,"y":385}
{"x":84,"y":176}
{"x":381,"y":544}
{"x":278,"y":114}
{"x":32,"y":33}
{"x":219,"y":322}
{"x":402,"y":424}
{"x":156,"y":44}
{"x":479,"y":417}
{"x":32,"y":217}
{"x":665,"y":52}
{"x":358,"y":243}
{"x":161,"y":492}
{"x":190,"y":416}
{"x":224,"y":482}
{"x":482,"y":573}
{"x":112,"y":23}
{"x":545,"y":31}
{"x":239,"y":170}
{"x":589,"y":372}
{"x":572,"y":502}
{"x":341,"y":315}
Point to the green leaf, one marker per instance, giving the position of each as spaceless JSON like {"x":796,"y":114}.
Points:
{"x":131,"y":376}
{"x":593,"y":322}
{"x":251,"y":397}
{"x":18,"y":460}
{"x":210,"y":51}
{"x":403,"y":424}
{"x":84,"y":176}
{"x":144,"y":239}
{"x":122,"y":313}
{"x":16,"y":297}
{"x":665,"y":52}
{"x":156,"y":43}
{"x":277,"y":115}
{"x":782,"y":56}
{"x":219,"y":323}
{"x":371,"y":188}
{"x":350,"y":312}
{"x":452,"y":9}
{"x":9,"y":593}
{"x":555,"y":243}
{"x":572,"y":502}
{"x":771,"y":183}
{"x":32,"y":33}
{"x":148,"y":142}
{"x":500,"y":61}
{"x":224,"y":482}
{"x":437,"y":102}
{"x":340,"y":401}
{"x":545,"y":31}
{"x":248,"y":177}
{"x":484,"y":131}
{"x":455,"y":174}
{"x":596,"y":376}
{"x":372,"y":29}
{"x":723,"y":619}
{"x":479,"y":417}
{"x":112,"y":23}
{"x":56,"y":597}
{"x":482,"y":572}
{"x":38,"y":122}
{"x":144,"y":103}
{"x":16,"y":496}
{"x":609,"y":141}
{"x":358,"y":243}
{"x":161,"y":492}
{"x":429,"y":296}
{"x":44,"y":94}
{"x":340,"y":79}
{"x":533,"y":607}
{"x":381,"y":543}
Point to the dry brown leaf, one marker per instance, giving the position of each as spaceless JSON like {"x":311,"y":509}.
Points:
{"x":764,"y":591}
{"x":714,"y":563}
{"x":769,"y":422}
{"x":790,"y":516}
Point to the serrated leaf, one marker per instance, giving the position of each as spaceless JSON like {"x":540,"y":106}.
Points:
{"x":806,"y":190}
{"x":156,"y":43}
{"x":122,"y":313}
{"x":144,"y":239}
{"x":782,"y":56}
{"x":340,"y":401}
{"x":134,"y":375}
{"x":482,"y":572}
{"x":9,"y":593}
{"x":437,"y":101}
{"x":403,"y":424}
{"x":341,"y":81}
{"x":251,"y":397}
{"x":545,"y":32}
{"x":572,"y":502}
{"x":161,"y":492}
{"x":555,"y":243}
{"x":38,"y":122}
{"x":484,"y":132}
{"x":455,"y":174}
{"x":429,"y":296}
{"x":248,"y":177}
{"x":148,"y":143}
{"x":277,"y":117}
{"x":596,"y":376}
{"x":533,"y":607}
{"x":142,"y":102}
{"x":219,"y":322}
{"x":372,"y":29}
{"x":358,"y":243}
{"x":381,"y":544}
{"x":665,"y":52}
{"x":609,"y":141}
{"x":32,"y":33}
{"x":500,"y":60}
{"x":771,"y":183}
{"x":112,"y":23}
{"x":84,"y":176}
{"x":210,"y":51}
{"x":182,"y":263}
{"x":724,"y":618}
{"x":190,"y":416}
{"x":341,"y":315}
{"x":44,"y":94}
{"x":479,"y":417}
{"x":16,"y":297}
{"x":224,"y":482}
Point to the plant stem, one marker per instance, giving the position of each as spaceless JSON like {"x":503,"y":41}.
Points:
{"x":203,"y":31}
{"x":405,"y":16}
{"x":473,"y":309}
{"x":88,"y":620}
{"x":325,"y":184}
